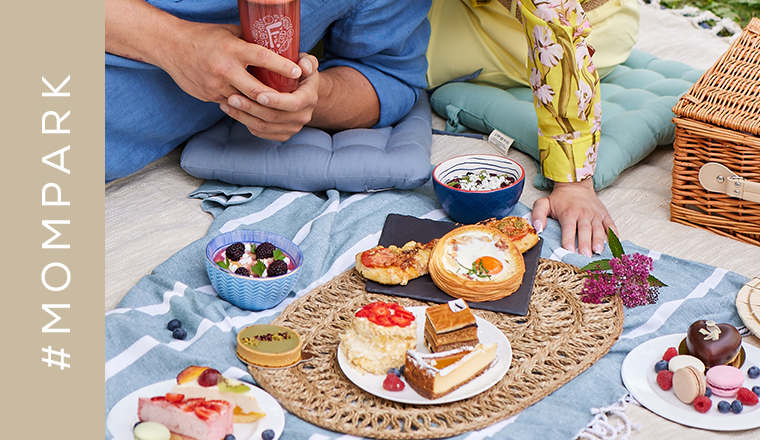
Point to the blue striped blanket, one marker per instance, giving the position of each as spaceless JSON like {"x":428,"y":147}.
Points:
{"x":330,"y":228}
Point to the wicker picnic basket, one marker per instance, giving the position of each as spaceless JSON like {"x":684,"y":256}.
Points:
{"x":718,"y":125}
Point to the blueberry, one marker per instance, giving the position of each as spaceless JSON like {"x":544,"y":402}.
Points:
{"x":660,"y":365}
{"x":229,"y":437}
{"x":179,"y":333}
{"x":736,"y":407}
{"x":174,"y":323}
{"x":401,"y":370}
{"x":267,"y":435}
{"x":708,"y":392}
{"x":753,"y":372}
{"x":724,"y":407}
{"x":395,"y":371}
{"x":756,"y":390}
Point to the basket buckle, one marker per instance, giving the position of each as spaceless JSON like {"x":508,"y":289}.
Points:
{"x":716,"y":177}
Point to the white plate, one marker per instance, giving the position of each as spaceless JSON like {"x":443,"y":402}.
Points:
{"x":487,"y":333}
{"x":123,"y":416}
{"x":641,"y":380}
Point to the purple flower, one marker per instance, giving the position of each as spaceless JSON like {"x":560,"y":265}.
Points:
{"x":629,"y":279}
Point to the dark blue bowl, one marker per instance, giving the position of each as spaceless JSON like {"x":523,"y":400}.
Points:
{"x":470,"y":207}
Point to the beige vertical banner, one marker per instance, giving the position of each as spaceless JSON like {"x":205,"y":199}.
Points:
{"x":53,"y":219}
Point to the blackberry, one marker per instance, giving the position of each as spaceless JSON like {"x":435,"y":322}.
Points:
{"x":265,"y":250}
{"x":235,"y":251}
{"x":277,"y":268}
{"x":243,"y":271}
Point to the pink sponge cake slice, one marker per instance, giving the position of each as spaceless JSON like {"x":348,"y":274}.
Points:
{"x":197,"y":419}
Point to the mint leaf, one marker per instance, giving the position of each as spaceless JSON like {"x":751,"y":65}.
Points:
{"x":259,"y":268}
{"x":597,"y":265}
{"x":224,"y":264}
{"x":615,"y":246}
{"x":277,"y":254}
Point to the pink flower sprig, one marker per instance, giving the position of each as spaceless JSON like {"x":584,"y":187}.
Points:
{"x":626,"y":275}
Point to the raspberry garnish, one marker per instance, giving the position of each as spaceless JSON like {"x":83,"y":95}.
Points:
{"x":747,"y":397}
{"x":670,"y":353}
{"x":702,"y":404}
{"x":392,"y":383}
{"x":665,"y":379}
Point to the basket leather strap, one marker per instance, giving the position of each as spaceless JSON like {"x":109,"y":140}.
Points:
{"x":717,"y":177}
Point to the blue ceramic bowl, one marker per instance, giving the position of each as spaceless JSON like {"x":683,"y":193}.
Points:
{"x":470,"y":207}
{"x":252,"y":293}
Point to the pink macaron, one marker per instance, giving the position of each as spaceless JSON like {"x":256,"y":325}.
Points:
{"x":724,"y":380}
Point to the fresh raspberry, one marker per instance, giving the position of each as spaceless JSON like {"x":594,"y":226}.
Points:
{"x":702,"y":404}
{"x":392,"y":383}
{"x":665,"y":379}
{"x":747,"y":397}
{"x":670,"y":353}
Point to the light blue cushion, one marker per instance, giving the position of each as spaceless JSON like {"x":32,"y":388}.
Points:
{"x":355,"y":160}
{"x":637,"y":101}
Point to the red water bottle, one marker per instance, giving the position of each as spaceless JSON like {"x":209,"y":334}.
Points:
{"x":276,"y":25}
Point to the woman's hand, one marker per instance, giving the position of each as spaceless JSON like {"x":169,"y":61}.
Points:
{"x":579,"y":212}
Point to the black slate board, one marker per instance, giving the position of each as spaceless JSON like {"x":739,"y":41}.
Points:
{"x":399,"y":229}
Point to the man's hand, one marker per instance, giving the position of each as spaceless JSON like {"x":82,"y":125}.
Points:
{"x":579,"y":212}
{"x":209,"y":62}
{"x":278,"y":116}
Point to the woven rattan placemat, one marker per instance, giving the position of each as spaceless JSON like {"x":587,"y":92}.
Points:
{"x":558,"y":339}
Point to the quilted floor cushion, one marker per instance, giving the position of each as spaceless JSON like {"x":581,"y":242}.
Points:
{"x":637,"y":98}
{"x":355,"y":160}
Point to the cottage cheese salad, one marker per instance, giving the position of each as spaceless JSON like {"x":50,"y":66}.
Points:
{"x":481,"y":181}
{"x":258,"y":260}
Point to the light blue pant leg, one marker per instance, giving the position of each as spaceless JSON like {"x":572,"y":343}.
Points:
{"x":146,"y":116}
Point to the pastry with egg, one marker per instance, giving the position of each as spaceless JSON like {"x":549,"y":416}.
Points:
{"x":477,"y":263}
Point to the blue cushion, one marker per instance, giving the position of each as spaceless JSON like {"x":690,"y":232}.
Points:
{"x":637,"y":101}
{"x":355,"y":160}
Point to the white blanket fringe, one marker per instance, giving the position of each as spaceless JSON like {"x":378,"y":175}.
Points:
{"x":602,"y":428}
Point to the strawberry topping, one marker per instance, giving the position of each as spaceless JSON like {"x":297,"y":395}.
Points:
{"x":386,"y":314}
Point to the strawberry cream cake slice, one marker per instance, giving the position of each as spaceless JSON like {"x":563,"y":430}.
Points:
{"x":188,"y":419}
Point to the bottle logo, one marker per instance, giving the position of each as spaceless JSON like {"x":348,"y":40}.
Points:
{"x":275,"y":32}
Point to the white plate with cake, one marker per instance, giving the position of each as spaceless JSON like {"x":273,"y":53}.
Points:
{"x":123,"y":416}
{"x":473,"y":355}
{"x":639,"y":376}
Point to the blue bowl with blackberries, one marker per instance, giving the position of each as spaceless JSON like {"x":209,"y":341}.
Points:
{"x":253,"y":269}
{"x":476,"y":187}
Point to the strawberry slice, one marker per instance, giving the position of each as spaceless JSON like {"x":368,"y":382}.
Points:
{"x":204,"y":412}
{"x":175,"y":397}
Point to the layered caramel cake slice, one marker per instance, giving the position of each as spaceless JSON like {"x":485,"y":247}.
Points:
{"x":434,"y":375}
{"x":449,"y":326}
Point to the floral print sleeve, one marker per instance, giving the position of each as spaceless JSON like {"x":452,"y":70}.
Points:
{"x":565,"y":88}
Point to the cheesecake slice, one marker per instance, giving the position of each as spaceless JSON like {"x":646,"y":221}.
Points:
{"x":434,"y":375}
{"x":246,"y":408}
{"x":197,"y":419}
{"x":449,"y":326}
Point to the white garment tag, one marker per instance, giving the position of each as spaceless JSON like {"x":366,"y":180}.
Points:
{"x":457,"y":305}
{"x":500,"y":141}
